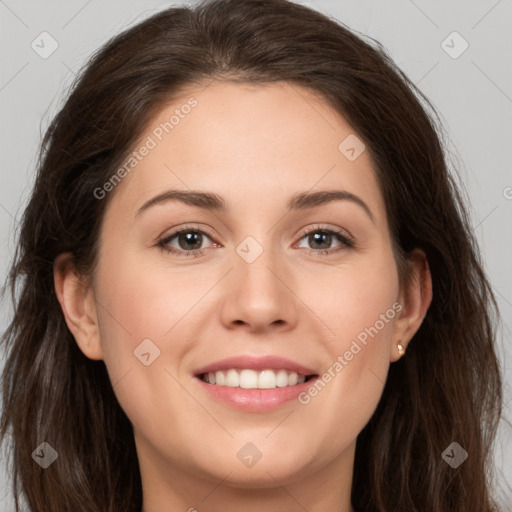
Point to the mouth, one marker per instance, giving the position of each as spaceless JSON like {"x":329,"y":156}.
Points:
{"x":247,"y":378}
{"x":256,"y":384}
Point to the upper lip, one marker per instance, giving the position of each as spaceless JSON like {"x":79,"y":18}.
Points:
{"x":256,"y":363}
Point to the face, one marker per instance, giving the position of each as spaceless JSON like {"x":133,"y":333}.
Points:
{"x":270,"y":274}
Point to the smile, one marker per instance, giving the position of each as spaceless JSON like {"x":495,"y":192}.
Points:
{"x":254,"y":383}
{"x":251,"y":379}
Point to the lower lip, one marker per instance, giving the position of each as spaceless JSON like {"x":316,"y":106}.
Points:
{"x":255,"y":399}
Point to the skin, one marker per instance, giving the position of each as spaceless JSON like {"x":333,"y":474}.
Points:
{"x":255,"y":146}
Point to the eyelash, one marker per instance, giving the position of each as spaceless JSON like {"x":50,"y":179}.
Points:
{"x":346,"y":241}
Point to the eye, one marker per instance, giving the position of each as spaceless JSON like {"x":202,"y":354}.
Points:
{"x":187,"y":241}
{"x":321,"y":239}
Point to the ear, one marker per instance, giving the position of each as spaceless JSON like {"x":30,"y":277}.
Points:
{"x":77,"y":302}
{"x":415,"y":298}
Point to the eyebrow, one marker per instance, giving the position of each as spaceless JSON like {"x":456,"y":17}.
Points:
{"x":214,"y":202}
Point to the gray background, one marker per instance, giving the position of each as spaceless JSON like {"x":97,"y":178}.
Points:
{"x":473,"y":92}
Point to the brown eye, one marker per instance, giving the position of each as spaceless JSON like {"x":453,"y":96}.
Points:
{"x":185,"y":242}
{"x":190,"y":240}
{"x":320,"y":241}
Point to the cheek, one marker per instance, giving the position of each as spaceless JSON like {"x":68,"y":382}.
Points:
{"x":142,"y":301}
{"x":359,"y":306}
{"x":141,"y":315}
{"x":354,"y":300}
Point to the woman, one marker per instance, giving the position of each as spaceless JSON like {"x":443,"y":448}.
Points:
{"x":330,"y":344}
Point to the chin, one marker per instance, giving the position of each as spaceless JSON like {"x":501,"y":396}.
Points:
{"x":264,"y":474}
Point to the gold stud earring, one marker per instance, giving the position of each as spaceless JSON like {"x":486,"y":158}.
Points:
{"x":401,"y":349}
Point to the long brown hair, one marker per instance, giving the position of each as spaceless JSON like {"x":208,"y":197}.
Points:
{"x":448,"y":386}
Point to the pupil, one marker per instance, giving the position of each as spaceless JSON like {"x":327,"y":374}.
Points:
{"x":190,"y":238}
{"x":316,"y":237}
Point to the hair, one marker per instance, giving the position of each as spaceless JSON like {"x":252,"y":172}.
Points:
{"x":448,"y":386}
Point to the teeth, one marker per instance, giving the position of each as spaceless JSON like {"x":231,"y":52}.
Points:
{"x":282,"y":379}
{"x":220,"y":379}
{"x":266,"y":379}
{"x":251,"y":379}
{"x":232,"y":379}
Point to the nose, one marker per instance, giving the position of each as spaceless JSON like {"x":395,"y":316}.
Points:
{"x":258,"y":295}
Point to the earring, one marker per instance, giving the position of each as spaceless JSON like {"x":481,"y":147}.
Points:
{"x":401,"y":349}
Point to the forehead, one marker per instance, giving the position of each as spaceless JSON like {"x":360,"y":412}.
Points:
{"x":249,"y":143}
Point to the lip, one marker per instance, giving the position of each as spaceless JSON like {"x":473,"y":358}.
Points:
{"x":255,"y":400}
{"x":257,"y":364}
